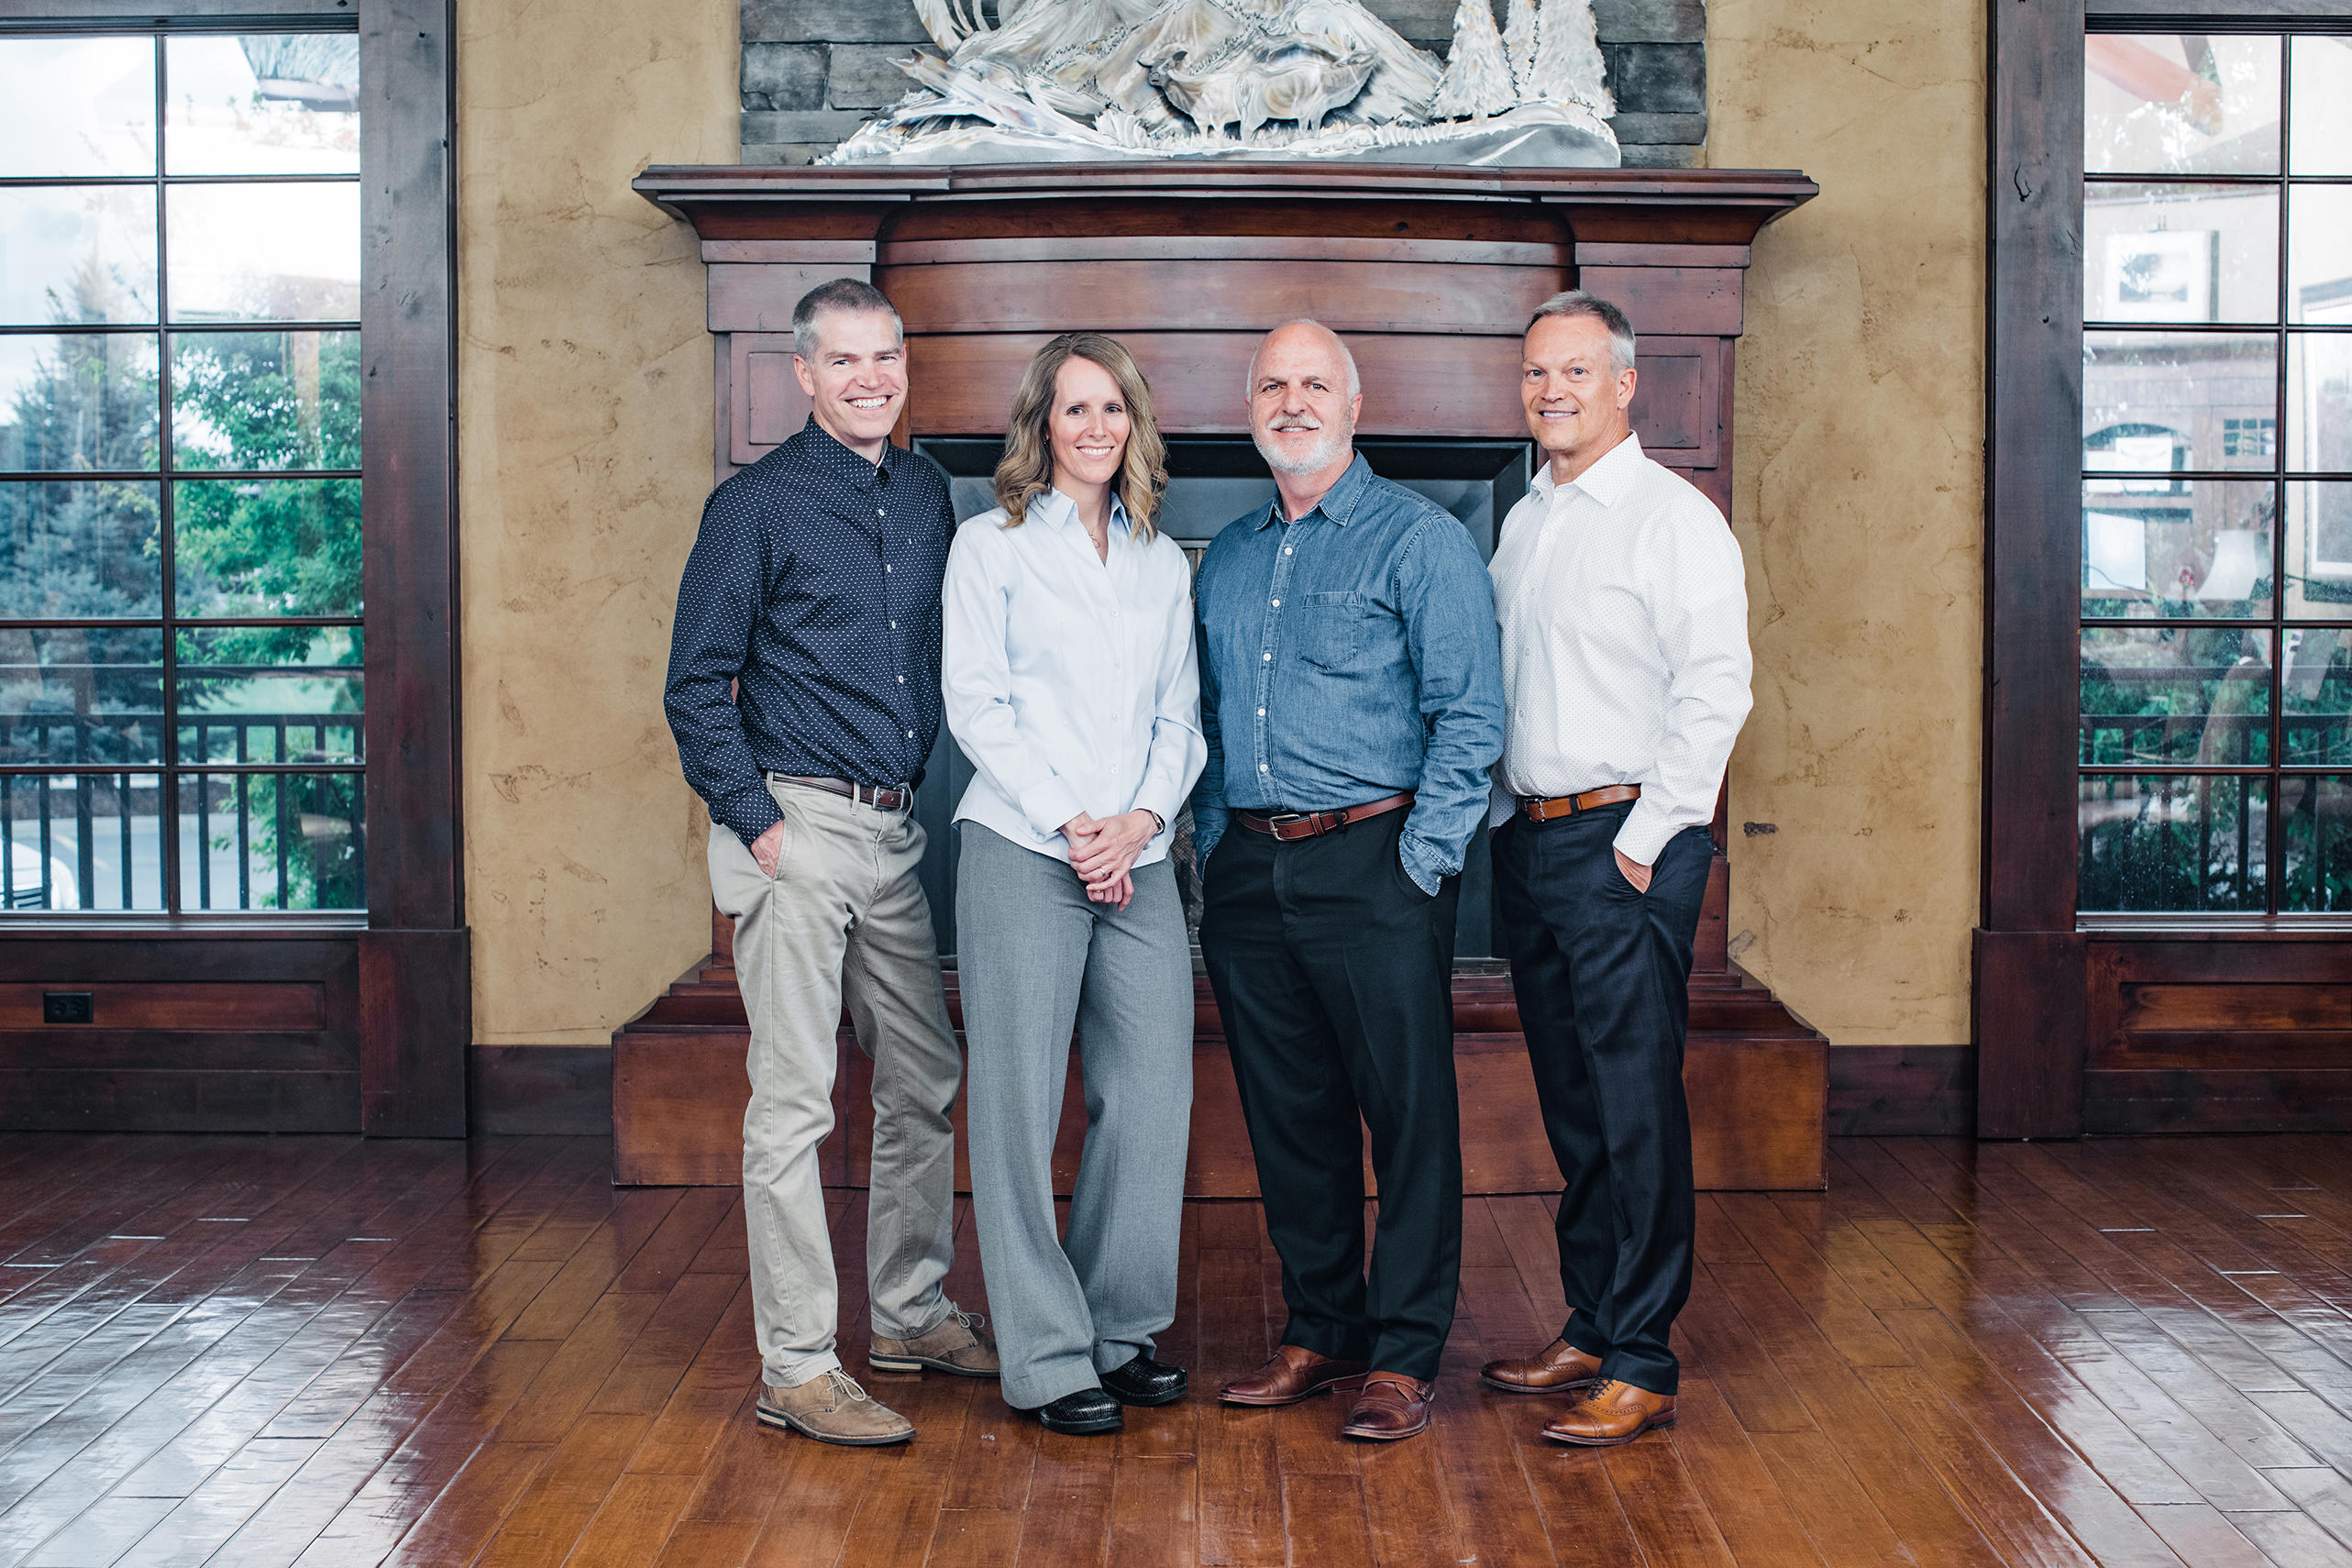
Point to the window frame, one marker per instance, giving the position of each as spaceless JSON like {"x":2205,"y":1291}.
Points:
{"x":2031,"y":945}
{"x":407,"y":470}
{"x":397,"y":979}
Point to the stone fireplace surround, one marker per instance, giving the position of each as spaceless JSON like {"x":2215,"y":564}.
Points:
{"x":1430,"y":273}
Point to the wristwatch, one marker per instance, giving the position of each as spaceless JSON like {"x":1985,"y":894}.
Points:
{"x":1159,"y":822}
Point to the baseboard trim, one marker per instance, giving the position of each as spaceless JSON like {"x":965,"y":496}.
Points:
{"x":1902,"y":1090}
{"x":551,"y":1089}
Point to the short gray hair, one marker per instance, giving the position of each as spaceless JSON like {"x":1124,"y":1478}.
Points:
{"x":1250,"y":376}
{"x":841,"y":294}
{"x":1577,"y":303}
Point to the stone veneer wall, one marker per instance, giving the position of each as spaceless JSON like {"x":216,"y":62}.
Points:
{"x":812,"y":70}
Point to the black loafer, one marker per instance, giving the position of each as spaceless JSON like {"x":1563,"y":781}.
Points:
{"x":1087,"y":1413}
{"x":1146,"y":1382}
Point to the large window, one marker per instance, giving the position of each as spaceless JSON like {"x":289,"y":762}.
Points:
{"x":2215,"y":741}
{"x":180,"y":702}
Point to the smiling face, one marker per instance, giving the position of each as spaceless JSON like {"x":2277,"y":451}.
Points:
{"x":857,"y":381}
{"x":1574,"y":397}
{"x":1087,"y":427}
{"x":1302,"y":415}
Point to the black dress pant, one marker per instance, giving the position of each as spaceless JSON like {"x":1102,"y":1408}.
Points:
{"x":1602,"y":975}
{"x":1334,"y":975}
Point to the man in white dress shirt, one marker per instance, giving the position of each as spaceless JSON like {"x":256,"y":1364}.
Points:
{"x":1624,"y":615}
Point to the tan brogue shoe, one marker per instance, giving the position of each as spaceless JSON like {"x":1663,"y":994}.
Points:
{"x":959,"y":1343}
{"x":830,"y":1407}
{"x":1611,"y":1413}
{"x":1558,"y":1368}
{"x":1293,"y":1374}
{"x":1392,"y":1405}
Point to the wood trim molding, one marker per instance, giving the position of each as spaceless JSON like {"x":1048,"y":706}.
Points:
{"x":1880,"y":1091}
{"x":2028,"y":992}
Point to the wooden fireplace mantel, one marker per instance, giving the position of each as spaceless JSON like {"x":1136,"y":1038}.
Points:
{"x":1430,"y":275}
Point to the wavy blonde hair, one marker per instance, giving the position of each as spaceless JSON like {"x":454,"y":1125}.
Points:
{"x":1026,"y":469}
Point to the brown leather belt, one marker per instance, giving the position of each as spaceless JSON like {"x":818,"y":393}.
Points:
{"x":1560,"y":806}
{"x":1291,"y":825}
{"x":881,"y":797}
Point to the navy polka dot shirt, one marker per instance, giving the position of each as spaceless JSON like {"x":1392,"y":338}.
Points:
{"x":813,"y":593}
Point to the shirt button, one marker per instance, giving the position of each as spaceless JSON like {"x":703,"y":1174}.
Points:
{"x":878,"y":512}
{"x":886,"y":566}
{"x":894,"y":626}
{"x":1277,"y":603}
{"x":1261,"y":712}
{"x":909,"y":734}
{"x":1261,"y":767}
{"x":1286,"y":550}
{"x":1269,"y":658}
{"x":903,"y":681}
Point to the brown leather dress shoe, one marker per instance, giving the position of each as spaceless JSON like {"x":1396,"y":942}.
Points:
{"x":1392,"y":1405}
{"x":1293,"y":1374}
{"x":1610,"y":1414}
{"x":1558,"y":1368}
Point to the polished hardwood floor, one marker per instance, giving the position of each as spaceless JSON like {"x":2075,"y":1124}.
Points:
{"x":321,"y":1351}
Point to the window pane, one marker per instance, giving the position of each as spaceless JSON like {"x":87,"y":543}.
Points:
{"x":2177,"y":549}
{"x":271,"y":841}
{"x":268,"y":252}
{"x":2319,"y":402}
{"x":83,"y":842}
{"x":2315,"y":696}
{"x":2315,"y":817}
{"x":262,"y":103}
{"x":77,"y":255}
{"x":77,"y":107}
{"x":78,"y":549}
{"x":2175,"y":695}
{"x":2178,"y":842}
{"x":81,"y":400}
{"x":2181,"y":252}
{"x":2203,"y":399}
{"x":2179,"y":103}
{"x":2319,"y":263}
{"x":2319,"y":139}
{"x":265,"y":400}
{"x":70,"y":696}
{"x":2319,"y":550}
{"x":256,"y":695}
{"x":267,"y":546}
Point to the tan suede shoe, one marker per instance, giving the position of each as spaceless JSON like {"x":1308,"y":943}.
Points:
{"x":1558,"y":1368}
{"x":1612,"y":1413}
{"x":958,"y":1344}
{"x":830,"y":1407}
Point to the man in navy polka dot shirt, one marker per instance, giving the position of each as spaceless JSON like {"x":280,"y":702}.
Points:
{"x":804,"y":694}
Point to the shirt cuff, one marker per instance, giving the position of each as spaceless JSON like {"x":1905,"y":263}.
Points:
{"x":1423,"y":864}
{"x":748,"y":812}
{"x":1645,"y":833}
{"x":1163,"y":803}
{"x":1207,"y":827}
{"x":1048,"y":804}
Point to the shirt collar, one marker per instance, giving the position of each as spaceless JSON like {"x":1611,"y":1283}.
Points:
{"x":1606,"y":481}
{"x":1339,"y":503}
{"x":829,"y":456}
{"x":1061,"y":512}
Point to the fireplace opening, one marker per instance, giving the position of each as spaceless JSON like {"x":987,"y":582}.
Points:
{"x":1213,"y":481}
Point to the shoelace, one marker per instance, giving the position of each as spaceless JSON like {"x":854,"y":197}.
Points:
{"x":847,"y":1386}
{"x":972,"y":1320}
{"x":1601,"y":1393}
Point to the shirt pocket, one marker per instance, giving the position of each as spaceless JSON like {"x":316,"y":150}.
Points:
{"x":1333,"y":630}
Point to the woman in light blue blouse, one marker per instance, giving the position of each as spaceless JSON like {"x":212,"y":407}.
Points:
{"x":1069,"y":683}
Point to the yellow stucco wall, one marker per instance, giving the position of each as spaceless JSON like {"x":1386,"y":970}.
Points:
{"x":584,"y":451}
{"x":1860,"y":503}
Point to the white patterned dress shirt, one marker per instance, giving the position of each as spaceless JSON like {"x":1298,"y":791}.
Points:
{"x":1624,"y":611}
{"x":1068,"y":680}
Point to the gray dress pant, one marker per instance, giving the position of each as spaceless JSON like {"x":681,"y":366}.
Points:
{"x":842,"y":919}
{"x":1034,"y":957}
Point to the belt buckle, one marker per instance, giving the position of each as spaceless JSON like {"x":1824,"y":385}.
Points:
{"x":1277,"y":820}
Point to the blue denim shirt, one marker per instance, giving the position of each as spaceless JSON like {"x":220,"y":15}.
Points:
{"x":1345,"y":656}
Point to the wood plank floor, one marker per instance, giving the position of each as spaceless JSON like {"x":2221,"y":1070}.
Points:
{"x":321,"y":1351}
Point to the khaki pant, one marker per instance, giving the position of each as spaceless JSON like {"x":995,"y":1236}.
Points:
{"x":843,"y":916}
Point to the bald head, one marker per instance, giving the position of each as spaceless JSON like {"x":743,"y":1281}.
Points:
{"x":1304,"y":395}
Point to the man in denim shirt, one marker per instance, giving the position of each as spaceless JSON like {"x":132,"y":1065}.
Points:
{"x":1352,"y":697}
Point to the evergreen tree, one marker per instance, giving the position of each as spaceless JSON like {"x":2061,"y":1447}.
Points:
{"x":1518,"y":37}
{"x":1568,"y":66}
{"x":1478,"y":79}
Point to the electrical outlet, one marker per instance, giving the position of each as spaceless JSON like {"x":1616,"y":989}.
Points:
{"x":65,"y":1007}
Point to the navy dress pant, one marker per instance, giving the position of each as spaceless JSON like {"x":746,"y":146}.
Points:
{"x":1334,"y":975}
{"x":1602,"y":974}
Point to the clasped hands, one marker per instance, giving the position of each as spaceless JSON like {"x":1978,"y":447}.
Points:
{"x":1103,"y":851}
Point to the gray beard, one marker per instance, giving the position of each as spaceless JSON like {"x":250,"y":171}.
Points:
{"x":1321,"y":455}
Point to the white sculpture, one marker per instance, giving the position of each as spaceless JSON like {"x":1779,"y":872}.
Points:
{"x":1098,"y":79}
